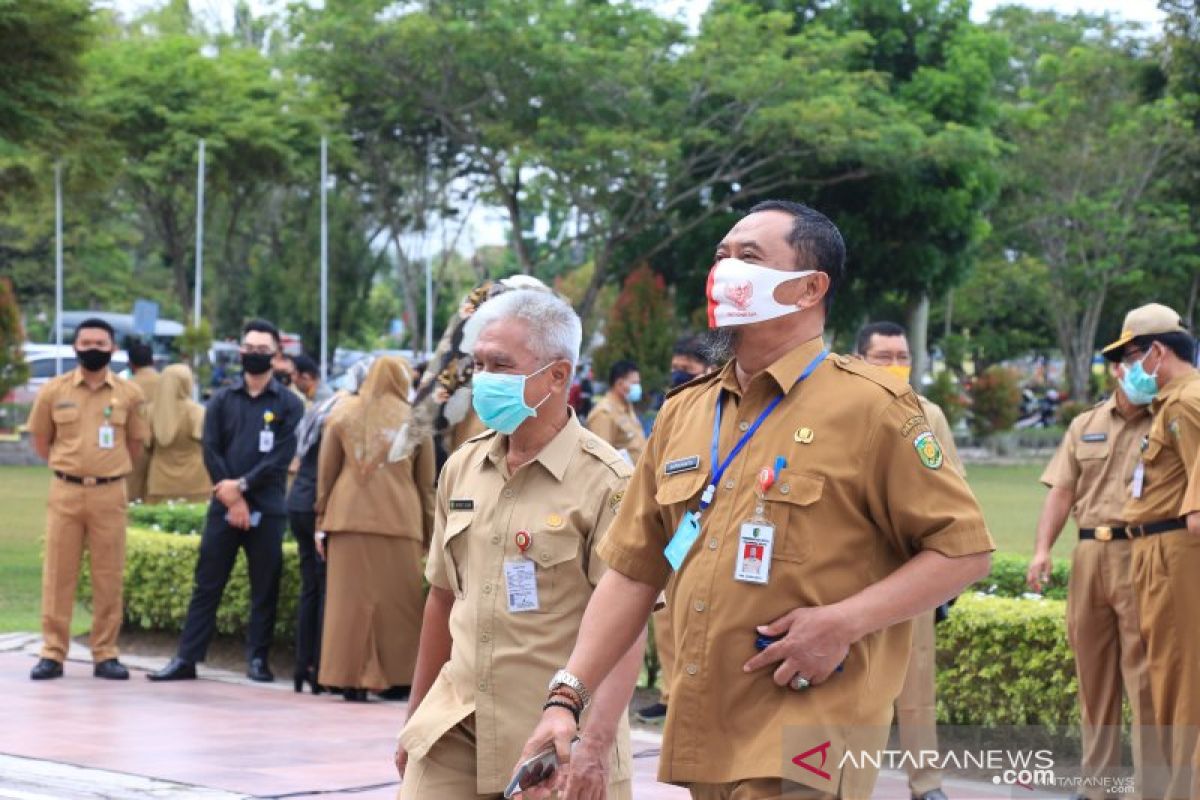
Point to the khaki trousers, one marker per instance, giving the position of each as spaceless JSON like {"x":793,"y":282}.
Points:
{"x":1104,"y":633}
{"x":1166,"y":575}
{"x":79,"y":516}
{"x":664,"y":642}
{"x":756,"y":789}
{"x":916,"y":705}
{"x":448,"y":770}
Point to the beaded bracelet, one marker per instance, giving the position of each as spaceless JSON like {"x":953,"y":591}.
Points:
{"x":563,"y":704}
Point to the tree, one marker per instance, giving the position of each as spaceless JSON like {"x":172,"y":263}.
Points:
{"x":1086,"y":170}
{"x":13,"y":369}
{"x":641,"y":328}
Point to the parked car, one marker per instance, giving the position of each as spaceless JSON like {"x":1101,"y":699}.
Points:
{"x":41,"y":359}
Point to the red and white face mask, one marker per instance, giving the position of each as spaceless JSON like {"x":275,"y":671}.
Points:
{"x":743,"y":294}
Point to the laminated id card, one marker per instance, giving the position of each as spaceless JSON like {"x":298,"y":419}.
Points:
{"x":1139,"y":479}
{"x":520,"y":582}
{"x":755,"y":542}
{"x":681,"y":543}
{"x":266,"y":440}
{"x":108,"y":438}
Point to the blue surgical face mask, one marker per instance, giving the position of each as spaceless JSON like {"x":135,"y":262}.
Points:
{"x":635,"y":393}
{"x":499,"y":399}
{"x":1139,"y":386}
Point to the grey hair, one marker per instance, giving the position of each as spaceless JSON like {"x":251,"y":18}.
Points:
{"x":554,"y":328}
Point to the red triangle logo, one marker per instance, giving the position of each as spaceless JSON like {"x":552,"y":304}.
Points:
{"x":823,"y":749}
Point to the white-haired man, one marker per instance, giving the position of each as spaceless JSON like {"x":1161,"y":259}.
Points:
{"x":520,"y":512}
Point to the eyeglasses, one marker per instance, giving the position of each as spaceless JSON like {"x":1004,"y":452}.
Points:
{"x":1130,"y":356}
{"x":880,"y":359}
{"x":262,"y":350}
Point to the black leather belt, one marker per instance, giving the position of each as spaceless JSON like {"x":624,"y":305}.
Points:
{"x":1104,"y":533}
{"x":1151,"y":528}
{"x":88,"y":481}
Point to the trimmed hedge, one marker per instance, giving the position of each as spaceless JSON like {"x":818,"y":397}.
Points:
{"x":1007,"y":578}
{"x":158,"y":584}
{"x":1006,"y":661}
{"x":169,"y":517}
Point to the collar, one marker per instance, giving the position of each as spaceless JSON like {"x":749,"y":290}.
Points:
{"x":555,"y":456}
{"x":1173,"y":388}
{"x":77,"y":377}
{"x":785,"y":371}
{"x":239,"y":385}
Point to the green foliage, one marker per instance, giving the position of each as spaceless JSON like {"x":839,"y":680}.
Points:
{"x":1005,"y":661}
{"x":1007,"y":578}
{"x":641,"y":327}
{"x":995,"y":401}
{"x":13,"y":369}
{"x":1070,"y":410}
{"x":159,"y":568}
{"x":186,"y":518}
{"x":946,"y":393}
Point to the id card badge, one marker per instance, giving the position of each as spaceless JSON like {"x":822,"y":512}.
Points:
{"x":756,"y":540}
{"x":266,"y":440}
{"x":686,"y":534}
{"x":108,"y":437}
{"x":520,"y":581}
{"x":1139,"y":479}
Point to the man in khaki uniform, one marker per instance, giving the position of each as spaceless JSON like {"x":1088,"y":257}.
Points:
{"x":1163,"y":514}
{"x":141,"y":364}
{"x":1089,"y":477}
{"x":614,"y":418}
{"x":88,"y":425}
{"x":520,"y":512}
{"x":885,"y":344}
{"x":839,"y":473}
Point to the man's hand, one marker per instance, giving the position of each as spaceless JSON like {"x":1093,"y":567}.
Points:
{"x":816,"y":641}
{"x":588,"y":777}
{"x":400,"y":759}
{"x":1041,"y":567}
{"x":557,"y":726}
{"x":319,"y":542}
{"x":239,"y":515}
{"x":228,"y":493}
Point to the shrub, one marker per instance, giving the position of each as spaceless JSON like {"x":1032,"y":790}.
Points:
{"x":1007,"y":578}
{"x":158,"y":584}
{"x":945,"y":392}
{"x":1005,"y":661}
{"x":13,"y":369}
{"x":995,"y":401}
{"x":169,"y":517}
{"x":1070,"y":410}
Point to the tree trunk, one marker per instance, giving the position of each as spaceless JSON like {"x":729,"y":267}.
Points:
{"x":918,"y":337}
{"x":586,"y":306}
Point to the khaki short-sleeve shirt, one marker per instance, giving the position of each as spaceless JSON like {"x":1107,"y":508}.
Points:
{"x":502,"y":661}
{"x":70,"y":414}
{"x":618,"y":424}
{"x":1096,"y":460}
{"x":1171,"y":485}
{"x":864,"y":489}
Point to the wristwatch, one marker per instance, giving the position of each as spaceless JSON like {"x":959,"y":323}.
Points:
{"x":564,"y":678}
{"x":242,"y":485}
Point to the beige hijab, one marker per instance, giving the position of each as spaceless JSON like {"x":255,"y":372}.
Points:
{"x":376,"y":418}
{"x":172,"y":414}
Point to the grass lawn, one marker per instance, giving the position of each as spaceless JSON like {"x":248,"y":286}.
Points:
{"x":23,"y":493}
{"x":1010,"y":495}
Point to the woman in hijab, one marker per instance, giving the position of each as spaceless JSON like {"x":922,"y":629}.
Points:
{"x":376,"y":506}
{"x":176,"y":470}
{"x":302,"y":514}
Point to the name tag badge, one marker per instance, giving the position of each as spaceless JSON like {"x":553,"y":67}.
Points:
{"x":520,"y":580}
{"x":108,"y":437}
{"x":682,"y":465}
{"x":686,"y":534}
{"x":266,"y":440}
{"x":1139,"y":479}
{"x":462,"y":505}
{"x":755,"y":543}
{"x":1095,"y":437}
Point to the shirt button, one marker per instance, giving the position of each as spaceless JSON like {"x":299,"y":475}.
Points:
{"x":589,"y":444}
{"x":508,"y":493}
{"x":496,"y":539}
{"x":487,"y":588}
{"x":699,"y":605}
{"x":482,"y":686}
{"x":485,"y":638}
{"x":743,"y":426}
{"x":544,"y":556}
{"x":712,"y":543}
{"x":784,"y":488}
{"x":692,"y":669}
{"x":729,"y":483}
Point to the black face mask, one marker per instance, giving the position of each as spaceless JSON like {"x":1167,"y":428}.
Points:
{"x":93,"y":360}
{"x":283,"y":377}
{"x":679,"y":377}
{"x":256,"y":363}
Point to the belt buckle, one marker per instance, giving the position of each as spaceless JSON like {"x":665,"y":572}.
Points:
{"x":89,"y":481}
{"x":1104,"y":533}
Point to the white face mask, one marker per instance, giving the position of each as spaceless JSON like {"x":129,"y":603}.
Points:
{"x":743,"y":294}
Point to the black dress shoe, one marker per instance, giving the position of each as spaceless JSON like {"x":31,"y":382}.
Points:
{"x":111,"y":670}
{"x":395,"y":693}
{"x":46,"y":669}
{"x":176,"y":670}
{"x":936,"y":794}
{"x":354,"y":695}
{"x":259,"y":671}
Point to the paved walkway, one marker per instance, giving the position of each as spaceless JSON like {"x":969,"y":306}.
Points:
{"x":223,"y":737}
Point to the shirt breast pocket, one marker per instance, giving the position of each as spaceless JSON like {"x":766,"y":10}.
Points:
{"x":791,"y":506}
{"x":561,"y":579}
{"x":681,"y":489}
{"x":454,"y":549}
{"x":65,"y":418}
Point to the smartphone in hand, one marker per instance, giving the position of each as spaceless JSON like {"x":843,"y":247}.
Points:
{"x":534,"y":770}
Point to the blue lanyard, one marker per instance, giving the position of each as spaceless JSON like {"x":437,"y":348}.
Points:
{"x":707,"y":498}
